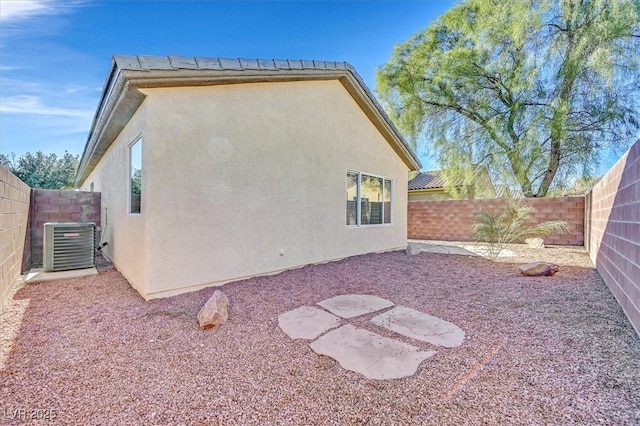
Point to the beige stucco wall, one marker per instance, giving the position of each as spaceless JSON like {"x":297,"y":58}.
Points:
{"x":248,"y":179}
{"x":124,"y":232}
{"x":438,"y":194}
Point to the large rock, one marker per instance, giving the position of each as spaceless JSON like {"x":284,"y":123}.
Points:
{"x":215,"y":311}
{"x":539,"y":269}
{"x":534,"y":242}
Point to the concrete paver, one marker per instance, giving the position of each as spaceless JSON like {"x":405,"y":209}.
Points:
{"x":443,"y":249}
{"x":370,"y":354}
{"x":353,"y":305}
{"x":37,"y":275}
{"x":418,"y":325}
{"x":486,"y":251}
{"x":307,"y":322}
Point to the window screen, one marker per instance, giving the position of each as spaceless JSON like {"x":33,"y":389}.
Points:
{"x":369,"y":199}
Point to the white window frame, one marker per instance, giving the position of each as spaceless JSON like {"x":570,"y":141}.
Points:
{"x":129,"y":176}
{"x":359,"y":223}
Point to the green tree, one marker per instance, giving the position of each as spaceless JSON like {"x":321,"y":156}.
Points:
{"x":7,"y":161}
{"x":136,"y":181}
{"x":45,"y":171}
{"x":581,"y":186}
{"x":530,"y":89}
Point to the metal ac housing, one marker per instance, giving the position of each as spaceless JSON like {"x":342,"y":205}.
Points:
{"x":68,"y":245}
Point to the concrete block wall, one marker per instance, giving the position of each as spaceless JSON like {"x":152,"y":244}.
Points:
{"x":614,"y":237}
{"x":59,"y":206}
{"x":14,"y":219}
{"x":451,"y":220}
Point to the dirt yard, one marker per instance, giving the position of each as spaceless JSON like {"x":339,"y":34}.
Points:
{"x":549,"y":350}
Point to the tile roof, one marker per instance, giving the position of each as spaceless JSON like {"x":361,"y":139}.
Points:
{"x":433,"y":179}
{"x":145,"y":62}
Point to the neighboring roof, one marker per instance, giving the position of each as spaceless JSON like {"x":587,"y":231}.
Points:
{"x":121,"y":95}
{"x":433,"y":179}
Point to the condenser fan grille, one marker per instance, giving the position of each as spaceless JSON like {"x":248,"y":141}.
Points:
{"x":69,"y":245}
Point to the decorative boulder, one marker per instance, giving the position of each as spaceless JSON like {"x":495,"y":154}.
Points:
{"x":534,"y":242}
{"x":215,"y":311}
{"x":539,"y":269}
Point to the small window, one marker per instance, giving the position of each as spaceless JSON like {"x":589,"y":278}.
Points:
{"x":135,"y":181}
{"x":369,"y":199}
{"x":91,"y":187}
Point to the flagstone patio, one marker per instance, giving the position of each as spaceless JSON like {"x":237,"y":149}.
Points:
{"x":361,"y":350}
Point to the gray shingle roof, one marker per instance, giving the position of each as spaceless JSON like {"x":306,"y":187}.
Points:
{"x":433,"y":179}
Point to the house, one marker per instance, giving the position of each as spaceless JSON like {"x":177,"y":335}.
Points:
{"x":432,"y":185}
{"x":213,"y":170}
{"x":427,"y":186}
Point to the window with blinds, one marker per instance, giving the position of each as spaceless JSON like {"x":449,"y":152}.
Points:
{"x":369,"y":199}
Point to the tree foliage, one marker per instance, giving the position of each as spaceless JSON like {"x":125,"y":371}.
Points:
{"x":45,"y":171}
{"x":530,"y":89}
{"x":136,"y":181}
{"x":579,"y":187}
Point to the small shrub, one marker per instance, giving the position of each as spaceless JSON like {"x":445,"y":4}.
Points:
{"x":512,"y":225}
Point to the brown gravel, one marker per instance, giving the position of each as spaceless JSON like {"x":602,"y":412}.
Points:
{"x":548,"y":350}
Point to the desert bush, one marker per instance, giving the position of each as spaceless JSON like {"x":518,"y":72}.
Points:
{"x":512,"y":225}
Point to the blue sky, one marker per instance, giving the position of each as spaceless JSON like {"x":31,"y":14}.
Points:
{"x":55,"y":54}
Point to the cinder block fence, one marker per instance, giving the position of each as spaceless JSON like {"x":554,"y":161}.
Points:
{"x":451,"y":220}
{"x":614,"y":231}
{"x":15,"y":196}
{"x":59,"y":206}
{"x":23,"y":213}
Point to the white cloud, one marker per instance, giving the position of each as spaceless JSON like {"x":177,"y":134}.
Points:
{"x":43,"y":121}
{"x":13,"y":10}
{"x":40,"y":110}
{"x":33,"y":105}
{"x":6,"y":68}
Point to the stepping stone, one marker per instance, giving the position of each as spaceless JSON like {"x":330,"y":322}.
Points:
{"x":418,"y":325}
{"x":353,"y":305}
{"x":370,"y":354}
{"x":307,"y":322}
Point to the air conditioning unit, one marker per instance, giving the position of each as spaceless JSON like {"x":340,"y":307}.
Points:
{"x":69,"y":245}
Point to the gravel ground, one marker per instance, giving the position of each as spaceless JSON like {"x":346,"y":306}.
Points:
{"x":549,"y":350}
{"x":560,"y":255}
